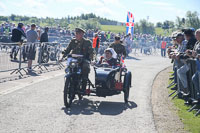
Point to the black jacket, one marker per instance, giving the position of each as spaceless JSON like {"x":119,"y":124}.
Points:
{"x":44,"y":37}
{"x":191,"y":43}
{"x":17,"y":34}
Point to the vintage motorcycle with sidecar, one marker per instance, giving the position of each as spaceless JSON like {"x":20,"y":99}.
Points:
{"x":108,"y":80}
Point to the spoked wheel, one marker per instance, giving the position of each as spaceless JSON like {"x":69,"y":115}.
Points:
{"x":68,"y":93}
{"x":127,"y":85}
{"x":80,"y":97}
{"x":45,"y":57}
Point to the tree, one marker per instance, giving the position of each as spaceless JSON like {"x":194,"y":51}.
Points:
{"x":86,"y":24}
{"x":12,"y":17}
{"x":159,"y":24}
{"x":3,"y":18}
{"x":146,"y":27}
{"x":192,"y":19}
{"x":166,"y":25}
{"x":180,"y":22}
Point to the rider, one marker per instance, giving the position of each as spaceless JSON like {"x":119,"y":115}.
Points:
{"x":118,"y":47}
{"x":82,"y":46}
{"x":109,"y":57}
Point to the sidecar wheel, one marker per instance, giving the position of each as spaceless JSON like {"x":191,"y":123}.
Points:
{"x":127,"y":85}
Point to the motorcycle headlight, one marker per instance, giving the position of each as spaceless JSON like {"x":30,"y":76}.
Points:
{"x":73,"y":65}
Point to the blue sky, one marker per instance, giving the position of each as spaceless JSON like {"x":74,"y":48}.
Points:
{"x":157,"y":10}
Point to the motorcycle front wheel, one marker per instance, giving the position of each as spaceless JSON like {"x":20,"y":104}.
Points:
{"x":68,"y":93}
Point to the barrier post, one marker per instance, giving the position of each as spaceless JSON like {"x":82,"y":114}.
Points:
{"x":18,"y":70}
{"x":40,"y":64}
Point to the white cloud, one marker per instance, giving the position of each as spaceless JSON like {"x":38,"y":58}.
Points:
{"x":114,"y":3}
{"x":157,"y":3}
{"x":2,"y":7}
{"x":95,"y":3}
{"x":173,"y":11}
{"x":78,"y":11}
{"x":104,"y":11}
{"x":34,"y":4}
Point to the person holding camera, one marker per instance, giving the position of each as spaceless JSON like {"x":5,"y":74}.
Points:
{"x":196,"y":54}
{"x":174,"y":53}
{"x":181,"y":72}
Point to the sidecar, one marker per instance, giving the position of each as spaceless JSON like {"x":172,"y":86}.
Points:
{"x":112,"y":81}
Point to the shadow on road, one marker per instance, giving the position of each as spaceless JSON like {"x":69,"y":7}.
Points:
{"x":133,"y":58}
{"x":88,"y":107}
{"x":33,"y":74}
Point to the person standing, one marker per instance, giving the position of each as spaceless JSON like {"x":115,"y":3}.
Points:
{"x":17,"y":36}
{"x":163,"y":48}
{"x":43,"y":39}
{"x":32,"y":37}
{"x":44,"y":36}
{"x":96,"y":43}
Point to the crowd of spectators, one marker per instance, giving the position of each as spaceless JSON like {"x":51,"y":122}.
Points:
{"x":145,"y":42}
{"x":185,"y":55}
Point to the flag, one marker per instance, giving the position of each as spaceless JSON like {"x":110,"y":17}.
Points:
{"x":130,"y":24}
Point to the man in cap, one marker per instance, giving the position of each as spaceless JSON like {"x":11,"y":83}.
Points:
{"x":175,"y":53}
{"x":181,"y":72}
{"x":82,"y":46}
{"x":118,"y":47}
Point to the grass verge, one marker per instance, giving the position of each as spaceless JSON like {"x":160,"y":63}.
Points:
{"x":190,"y":121}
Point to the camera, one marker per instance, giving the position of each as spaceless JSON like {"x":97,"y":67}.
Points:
{"x":183,"y":56}
{"x":190,"y":52}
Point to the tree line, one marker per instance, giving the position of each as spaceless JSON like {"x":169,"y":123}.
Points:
{"x":91,"y":21}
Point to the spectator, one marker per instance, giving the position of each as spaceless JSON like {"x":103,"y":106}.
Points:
{"x":196,"y":54}
{"x":174,"y":53}
{"x":32,"y":37}
{"x":17,"y":35}
{"x":163,"y":47}
{"x":44,"y":36}
{"x":2,"y":29}
{"x":181,"y":72}
{"x":96,"y":43}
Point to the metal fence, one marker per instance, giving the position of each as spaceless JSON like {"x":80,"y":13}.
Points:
{"x":13,"y":57}
{"x":190,"y":94}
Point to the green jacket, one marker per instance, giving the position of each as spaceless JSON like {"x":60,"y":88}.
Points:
{"x":83,"y":47}
{"x":119,"y":48}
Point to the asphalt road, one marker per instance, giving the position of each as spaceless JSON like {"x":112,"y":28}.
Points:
{"x":39,"y":107}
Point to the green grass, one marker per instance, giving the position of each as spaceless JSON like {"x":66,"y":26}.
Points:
{"x":191,"y":123}
{"x":113,"y":28}
{"x":117,"y":29}
{"x":160,"y":31}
